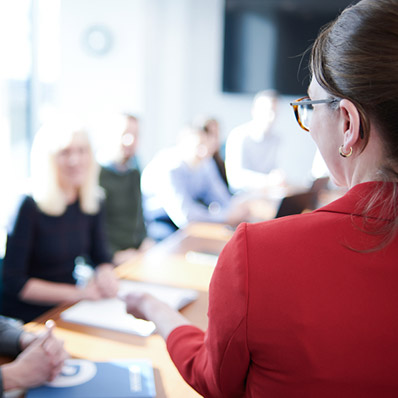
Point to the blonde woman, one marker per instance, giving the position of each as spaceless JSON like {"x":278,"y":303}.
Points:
{"x":60,"y":221}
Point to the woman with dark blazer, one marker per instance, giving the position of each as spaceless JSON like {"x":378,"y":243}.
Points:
{"x":307,"y":305}
{"x":58,"y":223}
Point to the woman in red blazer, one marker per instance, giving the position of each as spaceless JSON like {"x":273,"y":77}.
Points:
{"x":307,"y":305}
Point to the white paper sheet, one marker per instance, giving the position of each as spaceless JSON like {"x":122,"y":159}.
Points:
{"x":111,"y":313}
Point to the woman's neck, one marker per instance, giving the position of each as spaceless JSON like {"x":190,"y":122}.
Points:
{"x":368,"y":165}
{"x":71,"y":195}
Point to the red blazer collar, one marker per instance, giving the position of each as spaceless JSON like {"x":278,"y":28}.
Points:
{"x":355,"y":200}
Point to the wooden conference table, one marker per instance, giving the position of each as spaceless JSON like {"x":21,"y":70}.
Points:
{"x":185,"y":259}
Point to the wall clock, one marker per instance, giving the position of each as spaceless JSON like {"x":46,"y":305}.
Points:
{"x":97,"y":40}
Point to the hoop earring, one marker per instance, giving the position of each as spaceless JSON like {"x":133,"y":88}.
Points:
{"x":345,"y":155}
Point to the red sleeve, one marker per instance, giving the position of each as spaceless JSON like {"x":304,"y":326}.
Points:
{"x":215,"y":363}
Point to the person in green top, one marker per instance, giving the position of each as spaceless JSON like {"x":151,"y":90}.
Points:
{"x":120,"y":180}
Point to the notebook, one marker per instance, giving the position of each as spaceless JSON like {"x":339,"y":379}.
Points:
{"x":202,"y":258}
{"x":111,"y":313}
{"x":114,"y":379}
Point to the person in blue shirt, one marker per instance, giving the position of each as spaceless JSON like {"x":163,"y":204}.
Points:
{"x":252,"y":151}
{"x":212,"y":127}
{"x":182,"y":184}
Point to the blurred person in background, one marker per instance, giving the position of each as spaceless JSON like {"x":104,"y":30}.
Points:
{"x":252,"y":149}
{"x":60,"y":221}
{"x":121,"y":178}
{"x":212,"y":127}
{"x":182,"y":184}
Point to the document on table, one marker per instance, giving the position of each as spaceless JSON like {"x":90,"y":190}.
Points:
{"x":80,"y":378}
{"x":201,"y":258}
{"x":111,"y":313}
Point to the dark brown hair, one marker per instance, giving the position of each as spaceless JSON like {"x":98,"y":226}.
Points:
{"x":356,"y":57}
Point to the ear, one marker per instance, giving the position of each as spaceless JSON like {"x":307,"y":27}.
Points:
{"x":351,"y":124}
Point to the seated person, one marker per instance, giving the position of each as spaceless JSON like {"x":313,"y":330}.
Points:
{"x":212,"y":127}
{"x":39,"y":358}
{"x":60,"y":221}
{"x":121,"y":179}
{"x":251,"y":152}
{"x":182,"y":184}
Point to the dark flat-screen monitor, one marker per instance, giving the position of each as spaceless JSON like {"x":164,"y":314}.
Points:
{"x":296,"y":204}
{"x":264,"y":42}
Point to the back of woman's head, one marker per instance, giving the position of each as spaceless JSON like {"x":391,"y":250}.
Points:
{"x":356,"y":57}
{"x":54,"y":136}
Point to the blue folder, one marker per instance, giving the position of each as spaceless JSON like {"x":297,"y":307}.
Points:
{"x":115,"y":379}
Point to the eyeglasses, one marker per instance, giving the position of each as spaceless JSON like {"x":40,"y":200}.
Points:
{"x":303,"y":108}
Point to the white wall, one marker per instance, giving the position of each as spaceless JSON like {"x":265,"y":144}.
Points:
{"x":101,"y":83}
{"x":166,"y":64}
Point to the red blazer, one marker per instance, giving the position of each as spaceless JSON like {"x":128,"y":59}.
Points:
{"x":294,"y":311}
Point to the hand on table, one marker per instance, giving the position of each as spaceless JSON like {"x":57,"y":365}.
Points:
{"x":91,"y":291}
{"x":145,"y":306}
{"x":40,"y":361}
{"x":123,"y":256}
{"x":136,"y":303}
{"x":106,"y":281}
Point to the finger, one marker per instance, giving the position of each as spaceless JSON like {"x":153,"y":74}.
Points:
{"x":55,"y":372}
{"x":109,"y":290}
{"x":49,"y":346}
{"x":50,"y":324}
{"x":129,"y":300}
{"x":59,"y":362}
{"x":58,"y":356}
{"x":54,"y":346}
{"x":114,"y":289}
{"x":122,"y":296}
{"x":131,"y":296}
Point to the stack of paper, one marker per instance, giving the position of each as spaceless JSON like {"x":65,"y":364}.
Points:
{"x":111,"y":313}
